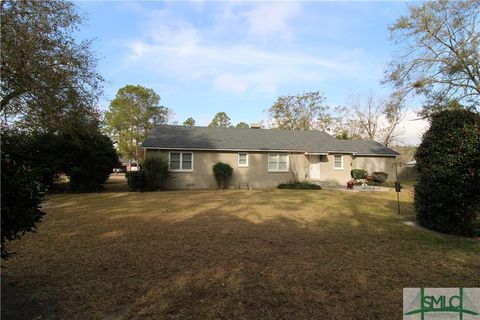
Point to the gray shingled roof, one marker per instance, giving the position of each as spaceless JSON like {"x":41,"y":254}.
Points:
{"x":206,"y":138}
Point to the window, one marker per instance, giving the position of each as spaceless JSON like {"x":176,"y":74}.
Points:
{"x":243,"y":159}
{"x":186,"y":161}
{"x":278,"y":162}
{"x":338,"y":161}
{"x":181,"y":161}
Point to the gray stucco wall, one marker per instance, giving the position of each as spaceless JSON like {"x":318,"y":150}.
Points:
{"x":257,"y":175}
{"x":375,"y":163}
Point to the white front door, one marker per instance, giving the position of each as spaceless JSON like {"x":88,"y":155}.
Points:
{"x":314,"y":172}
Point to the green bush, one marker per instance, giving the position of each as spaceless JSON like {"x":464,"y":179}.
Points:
{"x":448,"y":183}
{"x":380,"y":177}
{"x":156,"y":172}
{"x":153,"y":173}
{"x":22,"y":193}
{"x":358,"y":174}
{"x":86,"y":157}
{"x":222,"y":172}
{"x":299,"y":185}
{"x":136,"y":180}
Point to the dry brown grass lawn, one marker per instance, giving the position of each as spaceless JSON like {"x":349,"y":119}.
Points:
{"x":236,"y":254}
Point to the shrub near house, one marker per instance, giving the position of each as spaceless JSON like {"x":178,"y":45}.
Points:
{"x":150,"y":177}
{"x":448,"y":163}
{"x":136,"y":180}
{"x":358,"y":174}
{"x":86,"y":157}
{"x":222,"y":172}
{"x":380,"y":177}
{"x":156,"y":172}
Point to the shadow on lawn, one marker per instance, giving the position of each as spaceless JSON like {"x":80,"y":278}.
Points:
{"x":230,"y":260}
{"x":19,"y":302}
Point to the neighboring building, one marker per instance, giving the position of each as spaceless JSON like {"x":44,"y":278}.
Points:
{"x":263,"y":158}
{"x":126,"y":165}
{"x":407,"y":170}
{"x":410,"y":164}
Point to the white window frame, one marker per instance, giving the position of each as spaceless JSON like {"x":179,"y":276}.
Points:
{"x":181,"y":161}
{"x":238,"y":159}
{"x":334,"y":163}
{"x":278,"y":162}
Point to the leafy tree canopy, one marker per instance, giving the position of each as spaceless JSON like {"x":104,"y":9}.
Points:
{"x":439,"y":45}
{"x":243,"y":125}
{"x":220,"y":120}
{"x":190,"y":122}
{"x":47,"y":74}
{"x":87,"y":157}
{"x":132,"y":114}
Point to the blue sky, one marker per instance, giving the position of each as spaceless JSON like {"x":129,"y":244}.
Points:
{"x":238,"y":57}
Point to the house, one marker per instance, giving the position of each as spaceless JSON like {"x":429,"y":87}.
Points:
{"x":263,"y":158}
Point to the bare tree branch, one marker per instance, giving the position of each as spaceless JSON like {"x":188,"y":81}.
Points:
{"x":439,"y":51}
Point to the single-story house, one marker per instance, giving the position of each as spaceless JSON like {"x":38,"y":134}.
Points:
{"x":263,"y":158}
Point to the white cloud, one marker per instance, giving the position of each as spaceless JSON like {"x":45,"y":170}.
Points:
{"x":137,"y":48}
{"x":261,"y":70}
{"x":192,"y":59}
{"x":226,"y":55}
{"x":229,"y":82}
{"x":412,"y":128}
{"x":272,"y":19}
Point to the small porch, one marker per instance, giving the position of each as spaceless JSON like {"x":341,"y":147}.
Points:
{"x":321,"y":169}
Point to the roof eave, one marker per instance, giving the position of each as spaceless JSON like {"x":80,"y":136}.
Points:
{"x":377,"y":154}
{"x":224,"y":149}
